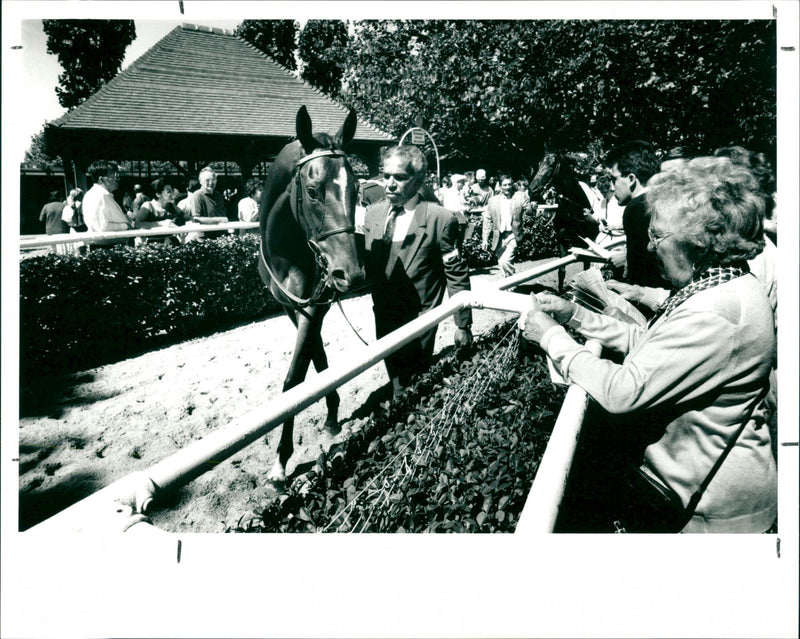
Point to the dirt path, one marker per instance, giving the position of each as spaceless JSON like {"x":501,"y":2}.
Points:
{"x":123,"y":417}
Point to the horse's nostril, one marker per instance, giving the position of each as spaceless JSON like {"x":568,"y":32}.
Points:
{"x":339,"y":274}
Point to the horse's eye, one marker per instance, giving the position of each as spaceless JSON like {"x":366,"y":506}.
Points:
{"x":312,"y":191}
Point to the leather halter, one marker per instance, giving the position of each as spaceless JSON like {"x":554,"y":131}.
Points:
{"x":556,"y":171}
{"x":314,"y":235}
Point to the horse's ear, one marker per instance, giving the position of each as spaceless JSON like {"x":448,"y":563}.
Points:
{"x":303,"y":128}
{"x":348,"y":130}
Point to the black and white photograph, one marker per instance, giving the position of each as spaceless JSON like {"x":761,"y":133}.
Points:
{"x":492,"y":285}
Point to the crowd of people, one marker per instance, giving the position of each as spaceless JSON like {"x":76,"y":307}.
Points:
{"x":695,"y":375}
{"x":694,"y":379}
{"x":167,"y":202}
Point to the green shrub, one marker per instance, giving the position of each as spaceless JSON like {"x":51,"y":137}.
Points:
{"x":459,"y":454}
{"x":83,"y":311}
{"x":538,"y":242}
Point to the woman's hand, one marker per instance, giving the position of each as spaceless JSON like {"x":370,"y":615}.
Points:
{"x":560,"y":309}
{"x":537,"y":321}
{"x":630,"y":292}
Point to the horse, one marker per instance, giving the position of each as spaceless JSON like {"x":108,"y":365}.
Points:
{"x":570,"y":222}
{"x":308,"y":252}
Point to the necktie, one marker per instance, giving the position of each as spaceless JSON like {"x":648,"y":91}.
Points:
{"x":391,"y":219}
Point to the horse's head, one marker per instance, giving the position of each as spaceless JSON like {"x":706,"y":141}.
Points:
{"x":323,"y":200}
{"x":545,"y":175}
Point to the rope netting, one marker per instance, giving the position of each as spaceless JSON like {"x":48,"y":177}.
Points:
{"x":383,"y":493}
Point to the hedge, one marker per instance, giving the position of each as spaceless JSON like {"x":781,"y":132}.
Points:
{"x":81,"y":311}
{"x":538,"y":242}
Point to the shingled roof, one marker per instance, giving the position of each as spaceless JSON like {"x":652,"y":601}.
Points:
{"x":199,"y":81}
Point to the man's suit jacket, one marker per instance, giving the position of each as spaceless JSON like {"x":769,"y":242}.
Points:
{"x":411,"y":277}
{"x":491,"y":220}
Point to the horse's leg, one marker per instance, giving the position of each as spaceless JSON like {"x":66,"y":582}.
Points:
{"x":297,"y":373}
{"x":320,"y":360}
{"x":562,"y":252}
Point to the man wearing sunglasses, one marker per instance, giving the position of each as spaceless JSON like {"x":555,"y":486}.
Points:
{"x":630,"y":166}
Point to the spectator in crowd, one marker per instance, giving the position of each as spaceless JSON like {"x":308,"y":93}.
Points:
{"x":206,"y":205}
{"x":630,"y":166}
{"x":51,"y":215}
{"x":692,"y":375}
{"x":412,"y":258}
{"x":182,"y":199}
{"x":248,"y":206}
{"x":161,"y":207}
{"x":100,"y":210}
{"x":73,"y":218}
{"x":522,"y":194}
{"x":480,"y":192}
{"x":453,"y":200}
{"x":608,"y":211}
{"x":139,"y":198}
{"x":434,"y":186}
{"x":760,"y":166}
{"x":160,"y":211}
{"x":502,"y":225}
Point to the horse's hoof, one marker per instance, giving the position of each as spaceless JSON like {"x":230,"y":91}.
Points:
{"x":278,"y":473}
{"x":332,"y":427}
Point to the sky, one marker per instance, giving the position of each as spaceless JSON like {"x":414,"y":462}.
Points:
{"x":41,"y":70}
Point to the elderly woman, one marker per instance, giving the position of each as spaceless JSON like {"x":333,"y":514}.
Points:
{"x":700,"y":368}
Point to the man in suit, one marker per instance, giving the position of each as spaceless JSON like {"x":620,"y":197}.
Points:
{"x":502,"y":222}
{"x":412,"y":258}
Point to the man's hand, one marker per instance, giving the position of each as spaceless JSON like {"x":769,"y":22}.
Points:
{"x":462,"y":338}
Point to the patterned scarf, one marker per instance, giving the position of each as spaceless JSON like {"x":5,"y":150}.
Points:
{"x":705,"y":280}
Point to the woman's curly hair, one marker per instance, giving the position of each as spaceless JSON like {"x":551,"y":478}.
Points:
{"x":720,"y":207}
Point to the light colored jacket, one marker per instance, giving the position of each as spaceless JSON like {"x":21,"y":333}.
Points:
{"x":491,"y":220}
{"x":702,"y":366}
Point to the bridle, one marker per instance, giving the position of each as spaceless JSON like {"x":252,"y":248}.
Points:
{"x":549,"y":183}
{"x":315,"y":233}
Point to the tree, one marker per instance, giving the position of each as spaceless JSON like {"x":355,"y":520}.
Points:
{"x":90,"y":52}
{"x":36,"y":156}
{"x":322,"y":46}
{"x":276,"y":38}
{"x":499,"y":90}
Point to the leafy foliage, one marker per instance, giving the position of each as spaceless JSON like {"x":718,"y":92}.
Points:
{"x":323,"y":48}
{"x":90,"y":52}
{"x":468,"y":473}
{"x":36,"y":156}
{"x":82,"y":311}
{"x":538,"y":242}
{"x":276,"y":38}
{"x":500,"y":91}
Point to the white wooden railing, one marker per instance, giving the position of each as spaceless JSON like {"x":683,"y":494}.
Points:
{"x":123,"y":504}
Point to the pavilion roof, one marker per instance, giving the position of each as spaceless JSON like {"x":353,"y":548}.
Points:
{"x":201,"y":80}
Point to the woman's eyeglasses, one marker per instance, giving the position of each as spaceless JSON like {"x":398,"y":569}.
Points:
{"x":655,"y":240}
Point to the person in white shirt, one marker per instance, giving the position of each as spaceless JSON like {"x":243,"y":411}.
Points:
{"x":248,"y":206}
{"x":101,"y":213}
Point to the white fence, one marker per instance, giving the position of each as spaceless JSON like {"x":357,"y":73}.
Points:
{"x":123,"y":504}
{"x":43,"y":241}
